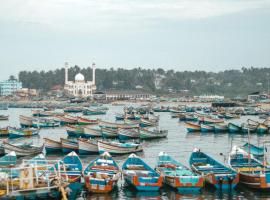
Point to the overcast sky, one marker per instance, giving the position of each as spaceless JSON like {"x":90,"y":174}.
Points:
{"x":210,"y":35}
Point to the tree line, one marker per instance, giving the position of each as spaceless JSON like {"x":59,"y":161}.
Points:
{"x":230,"y":83}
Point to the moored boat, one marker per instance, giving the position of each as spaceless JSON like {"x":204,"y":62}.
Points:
{"x":90,"y":132}
{"x":114,"y":147}
{"x":177,"y":175}
{"x":69,"y":145}
{"x":207,"y":128}
{"x":87,"y":146}
{"x":254,"y":150}
{"x":22,"y":149}
{"x":140,"y":175}
{"x":192,"y":127}
{"x":234,"y":128}
{"x":4,"y":117}
{"x":52,"y":145}
{"x":22,"y":132}
{"x":4,"y":132}
{"x":109,"y":133}
{"x":104,"y":124}
{"x":94,"y":111}
{"x":215,"y":173}
{"x":102,"y":174}
{"x":26,"y":121}
{"x":8,"y":160}
{"x":126,"y":134}
{"x":85,"y":121}
{"x":152,"y":134}
{"x":74,"y":131}
{"x":218,"y":128}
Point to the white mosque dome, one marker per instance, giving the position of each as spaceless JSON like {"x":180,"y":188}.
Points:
{"x":79,"y":77}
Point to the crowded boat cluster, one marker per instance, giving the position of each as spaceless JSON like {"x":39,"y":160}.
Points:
{"x":65,"y":178}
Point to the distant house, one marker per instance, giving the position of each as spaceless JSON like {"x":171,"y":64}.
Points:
{"x":9,"y":87}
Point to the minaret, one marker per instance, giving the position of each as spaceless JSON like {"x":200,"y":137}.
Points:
{"x":94,"y":73}
{"x":66,"y":72}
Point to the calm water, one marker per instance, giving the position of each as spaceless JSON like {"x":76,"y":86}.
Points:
{"x":178,"y":144}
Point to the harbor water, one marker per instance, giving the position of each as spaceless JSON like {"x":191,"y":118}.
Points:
{"x":179,"y":144}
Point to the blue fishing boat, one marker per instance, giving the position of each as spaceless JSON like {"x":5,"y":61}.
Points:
{"x":94,"y":111}
{"x":109,"y":133}
{"x":215,"y":173}
{"x":254,"y":150}
{"x":52,"y":145}
{"x":74,"y":131}
{"x":234,"y":128}
{"x":207,"y":128}
{"x":177,"y":175}
{"x":22,"y":132}
{"x":45,"y":123}
{"x":90,"y":132}
{"x":102,"y":174}
{"x":87,"y":147}
{"x":69,"y":145}
{"x":126,"y":134}
{"x":38,"y":160}
{"x":218,"y":128}
{"x":193,"y":127}
{"x":8,"y":160}
{"x":71,"y":167}
{"x":140,"y":175}
{"x":262,"y":128}
{"x":252,"y":172}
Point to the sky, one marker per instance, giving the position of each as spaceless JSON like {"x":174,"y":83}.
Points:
{"x":211,"y":35}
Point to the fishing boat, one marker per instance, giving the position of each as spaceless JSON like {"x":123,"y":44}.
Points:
{"x":262,"y":128}
{"x":215,"y":173}
{"x":152,"y":134}
{"x":26,"y":121}
{"x":234,"y":128}
{"x":90,"y":132}
{"x":52,"y":145}
{"x":254,"y":150}
{"x":104,"y":124}
{"x":177,"y":175}
{"x":64,"y":120}
{"x":4,"y":117}
{"x":161,"y":109}
{"x":87,"y":147}
{"x":207,"y":128}
{"x":146,"y":123}
{"x":69,"y":145}
{"x":252,"y":172}
{"x":140,"y":175}
{"x":71,"y":166}
{"x":74,"y":131}
{"x":22,"y":132}
{"x":8,"y":160}
{"x":102,"y":174}
{"x":114,"y":147}
{"x":22,"y":149}
{"x":4,"y":132}
{"x":85,"y":121}
{"x":126,"y":134}
{"x":109,"y":133}
{"x":94,"y":111}
{"x":248,"y":127}
{"x":218,"y":128}
{"x":193,"y":127}
{"x":45,"y":123}
{"x":209,"y":120}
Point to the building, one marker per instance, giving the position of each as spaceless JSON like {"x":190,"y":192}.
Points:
{"x":9,"y":87}
{"x":26,"y":92}
{"x":80,"y":87}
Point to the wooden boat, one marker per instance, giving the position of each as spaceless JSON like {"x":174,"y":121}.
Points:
{"x":140,"y":175}
{"x":64,"y":120}
{"x":22,"y":132}
{"x":262,"y":128}
{"x":92,"y":111}
{"x":71,"y":166}
{"x":26,"y":121}
{"x":109,"y":133}
{"x":177,"y":175}
{"x":192,"y":127}
{"x":114,"y":147}
{"x":209,"y":120}
{"x":207,"y":128}
{"x":4,"y":117}
{"x":216,"y":174}
{"x":126,"y":134}
{"x":4,"y":132}
{"x":52,"y":145}
{"x":22,"y":149}
{"x":73,"y":109}
{"x":35,"y":113}
{"x":146,"y":123}
{"x":254,"y":150}
{"x":119,"y":117}
{"x":233,"y":128}
{"x":69,"y":145}
{"x":218,"y":128}
{"x":248,"y":127}
{"x":91,"y":132}
{"x":45,"y":123}
{"x":102,"y":174}
{"x":74,"y":131}
{"x":8,"y":160}
{"x":85,"y":121}
{"x":87,"y":146}
{"x":161,"y":109}
{"x":111,"y":125}
{"x":252,"y":172}
{"x":152,"y":134}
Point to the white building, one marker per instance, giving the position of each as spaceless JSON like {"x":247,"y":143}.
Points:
{"x":80,"y":87}
{"x":8,"y":87}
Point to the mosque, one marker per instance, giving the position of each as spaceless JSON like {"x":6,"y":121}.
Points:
{"x":80,"y":87}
